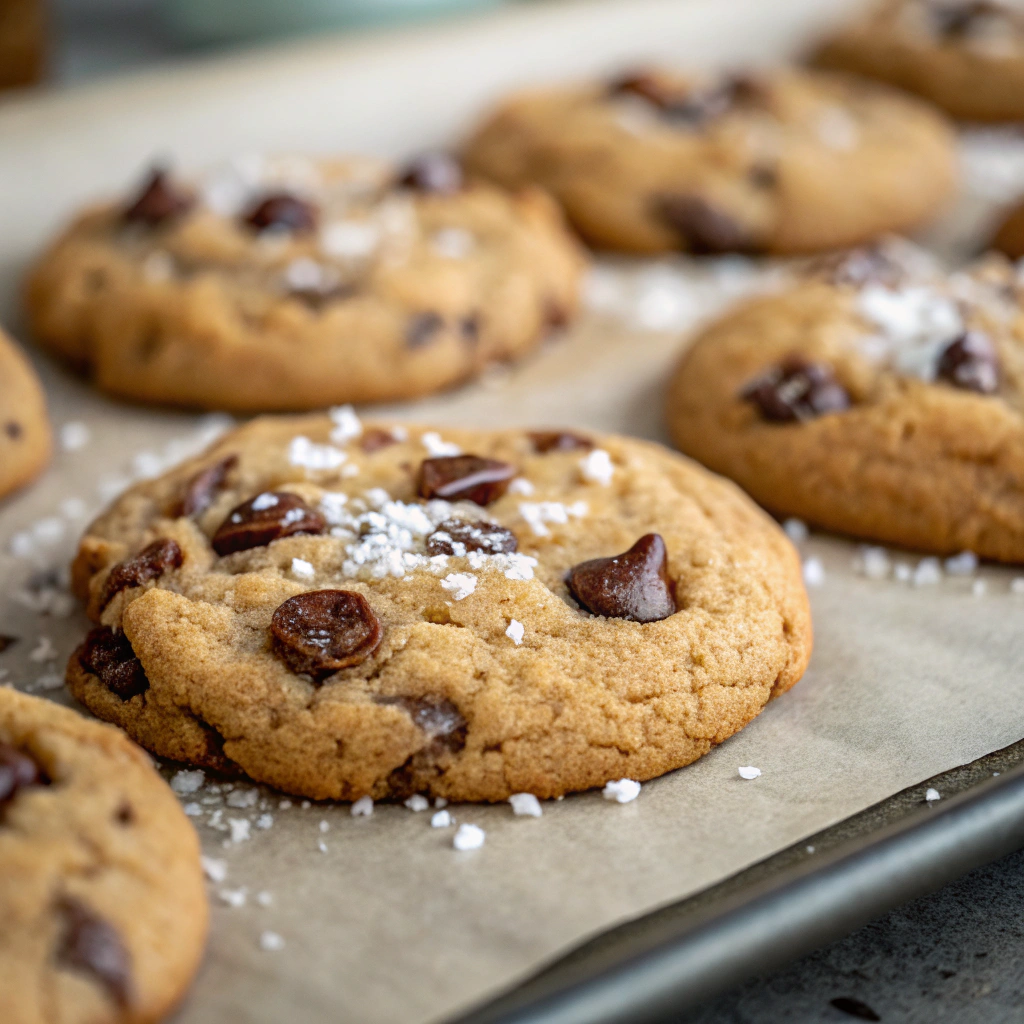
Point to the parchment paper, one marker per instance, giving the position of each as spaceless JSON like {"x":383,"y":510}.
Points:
{"x":386,"y":922}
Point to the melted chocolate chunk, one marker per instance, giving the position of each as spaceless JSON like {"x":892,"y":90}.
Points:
{"x":284,"y":211}
{"x":854,"y":1008}
{"x":17,"y":771}
{"x":158,"y":201}
{"x":457,"y":536}
{"x":109,"y":657}
{"x":545,"y":441}
{"x":265,"y":518}
{"x":422,"y":328}
{"x":464,"y":478}
{"x":438,"y":717}
{"x":201,"y":489}
{"x":93,"y":946}
{"x":797,"y":390}
{"x":323,"y":631}
{"x":702,"y":228}
{"x":633,"y":585}
{"x":687,"y":105}
{"x":970,"y":362}
{"x":436,"y":173}
{"x":150,"y":563}
{"x":13,"y":430}
{"x":373,"y":440}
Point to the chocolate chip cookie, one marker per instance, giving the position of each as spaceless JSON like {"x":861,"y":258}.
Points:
{"x":102,"y":901}
{"x":25,"y":436}
{"x":780,"y":162}
{"x":341,"y":610}
{"x":1009,"y":236}
{"x":876,"y":396}
{"x":966,"y":56}
{"x":275,"y":284}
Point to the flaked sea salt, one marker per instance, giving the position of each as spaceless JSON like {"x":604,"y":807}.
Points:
{"x":814,"y":572}
{"x":437,"y":446}
{"x":468,"y":837}
{"x":417,"y":802}
{"x":596,"y":467}
{"x":215,"y":870}
{"x":515,"y":631}
{"x":302,"y":569}
{"x":441,"y":819}
{"x":362,"y":808}
{"x":964,"y":564}
{"x":622,"y":791}
{"x":927,"y":573}
{"x":796,"y":530}
{"x":459,"y":584}
{"x":525,"y":805}
{"x":749,"y":772}
{"x":188,"y":781}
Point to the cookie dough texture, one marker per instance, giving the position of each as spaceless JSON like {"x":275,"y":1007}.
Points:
{"x":25,"y":438}
{"x":394,"y":293}
{"x":103,"y":909}
{"x":793,"y":162}
{"x":450,"y":704}
{"x":967,"y":57}
{"x":915,"y":461}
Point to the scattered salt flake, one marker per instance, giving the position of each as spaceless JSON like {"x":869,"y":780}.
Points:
{"x":875,"y":563}
{"x":622,"y":792}
{"x":347,"y":426}
{"x":362,"y":808}
{"x":325,"y":826}
{"x":964,"y":564}
{"x":596,"y":466}
{"x":284,"y":805}
{"x":322,"y":846}
{"x":810,"y":849}
{"x":978,"y":588}
{"x":903,"y":572}
{"x":243,"y":798}
{"x":305,"y":805}
{"x":749,"y":772}
{"x":72,"y":508}
{"x":796,"y":530}
{"x":441,"y":819}
{"x":193,"y":810}
{"x":74,"y":435}
{"x":239,"y":829}
{"x":188,"y":781}
{"x":468,"y":837}
{"x":265,"y":821}
{"x":539,"y":513}
{"x":520,"y":485}
{"x":349,"y":239}
{"x":440,"y":802}
{"x":814,"y":572}
{"x":271,"y":942}
{"x":49,"y":681}
{"x":927,"y":573}
{"x":264,"y":899}
{"x":417,"y":802}
{"x":303,"y":569}
{"x":931,"y":795}
{"x":459,"y":584}
{"x":437,"y":447}
{"x":1017,"y":585}
{"x":515,"y":631}
{"x":525,"y":805}
{"x":21,"y":545}
{"x":233,"y":897}
{"x":264,"y":501}
{"x":43,"y":650}
{"x":303,"y":452}
{"x":215,"y":870}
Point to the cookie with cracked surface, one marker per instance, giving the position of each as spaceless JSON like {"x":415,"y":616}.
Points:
{"x":101,"y":892}
{"x":874,"y":398}
{"x":285,"y":284}
{"x":782,"y":162}
{"x":25,"y":436}
{"x":966,"y":56}
{"x":468,"y":616}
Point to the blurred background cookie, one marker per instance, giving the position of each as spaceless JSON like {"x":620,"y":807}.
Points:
{"x":25,"y":436}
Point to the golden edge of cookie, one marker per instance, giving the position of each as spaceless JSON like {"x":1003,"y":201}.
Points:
{"x":24,"y":458}
{"x":174,"y":718}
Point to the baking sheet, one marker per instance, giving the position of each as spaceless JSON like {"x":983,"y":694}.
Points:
{"x":386,"y":922}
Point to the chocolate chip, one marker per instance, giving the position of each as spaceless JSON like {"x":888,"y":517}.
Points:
{"x":702,"y":227}
{"x":796,"y":390}
{"x":282,"y":210}
{"x":109,"y":656}
{"x":763,"y":176}
{"x":633,"y":585}
{"x":92,"y":945}
{"x":13,"y":430}
{"x":265,"y":518}
{"x":457,"y":536}
{"x":421,"y":328}
{"x":373,"y":440}
{"x":202,"y":488}
{"x":688,"y":105}
{"x":464,"y":478}
{"x":150,"y":563}
{"x":158,"y":201}
{"x":970,"y":362}
{"x":322,"y":631}
{"x":17,"y":771}
{"x":545,"y":441}
{"x":437,"y":173}
{"x":438,"y":717}
{"x":6,"y":641}
{"x":469,"y":328}
{"x":854,"y":1008}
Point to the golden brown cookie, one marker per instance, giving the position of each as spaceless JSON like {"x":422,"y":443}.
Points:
{"x":103,"y":909}
{"x":343,"y":610}
{"x":876,"y":397}
{"x":780,"y":162}
{"x":25,"y":437}
{"x":966,"y":56}
{"x":293,"y":284}
{"x":1009,"y":236}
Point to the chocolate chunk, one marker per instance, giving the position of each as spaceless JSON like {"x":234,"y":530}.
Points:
{"x":322,"y":631}
{"x":6,"y":641}
{"x":158,"y":201}
{"x":93,"y":946}
{"x":438,"y":717}
{"x":702,"y":227}
{"x":265,"y":518}
{"x":457,"y":536}
{"x":958,"y":17}
{"x":970,"y":362}
{"x":796,"y":390}
{"x":436,"y":173}
{"x":469,"y":328}
{"x":633,"y":585}
{"x":545,"y":441}
{"x":763,"y":176}
{"x":464,"y":478}
{"x":202,"y":488}
{"x":13,"y":430}
{"x":17,"y":771}
{"x":373,"y":440}
{"x":109,"y":657}
{"x":688,"y":105}
{"x":854,"y":1008}
{"x":284,"y":211}
{"x":421,"y":329}
{"x":150,"y":563}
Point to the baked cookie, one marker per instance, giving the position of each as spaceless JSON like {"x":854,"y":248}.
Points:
{"x":966,"y":56}
{"x":877,"y":396}
{"x":25,"y":437}
{"x":342,"y":610}
{"x":1009,"y":237}
{"x":289,"y":284}
{"x":102,"y":903}
{"x":781,"y":162}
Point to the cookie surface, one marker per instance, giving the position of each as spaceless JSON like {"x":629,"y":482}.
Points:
{"x":1009,"y":236}
{"x":338,"y":612}
{"x":102,"y":899}
{"x":782,"y":162}
{"x":875,"y":397}
{"x":25,"y":437}
{"x":966,"y":56}
{"x":288,"y":284}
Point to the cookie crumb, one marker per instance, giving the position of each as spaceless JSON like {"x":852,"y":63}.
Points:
{"x":417,"y":802}
{"x":215,"y":870}
{"x":814,"y":572}
{"x":622,"y":792}
{"x":362,"y":808}
{"x":459,"y":584}
{"x":796,"y":530}
{"x":749,"y":772}
{"x":468,"y":837}
{"x":515,"y":631}
{"x":271,"y":942}
{"x":525,"y":805}
{"x":931,"y":795}
{"x":188,"y":781}
{"x":596,"y":467}
{"x":441,"y":819}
